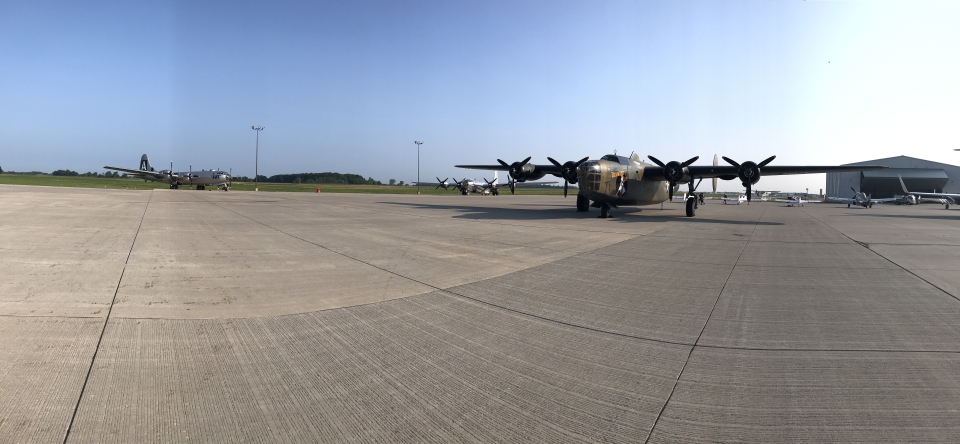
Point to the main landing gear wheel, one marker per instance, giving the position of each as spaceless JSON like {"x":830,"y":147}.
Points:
{"x":174,"y":187}
{"x":691,"y":207}
{"x":848,"y":205}
{"x":583,"y":204}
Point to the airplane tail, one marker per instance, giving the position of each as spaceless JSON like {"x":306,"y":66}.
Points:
{"x":496,"y":178}
{"x":145,"y":164}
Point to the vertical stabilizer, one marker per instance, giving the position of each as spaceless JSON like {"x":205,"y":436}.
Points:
{"x":496,"y":178}
{"x":145,"y":164}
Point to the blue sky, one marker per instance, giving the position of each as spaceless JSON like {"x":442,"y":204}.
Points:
{"x":349,"y":86}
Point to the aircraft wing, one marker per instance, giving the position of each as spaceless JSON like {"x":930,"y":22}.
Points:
{"x":885,"y":200}
{"x":527,"y":184}
{"x":548,"y":169}
{"x":843,"y":200}
{"x":729,"y":172}
{"x":151,"y":174}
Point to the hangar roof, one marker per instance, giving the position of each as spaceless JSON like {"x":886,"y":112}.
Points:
{"x":902,"y":161}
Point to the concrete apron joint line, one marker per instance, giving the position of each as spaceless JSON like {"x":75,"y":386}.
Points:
{"x":867,"y":246}
{"x":106,"y":319}
{"x":703,"y":328}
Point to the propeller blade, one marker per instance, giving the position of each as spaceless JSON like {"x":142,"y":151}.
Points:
{"x":687,"y":163}
{"x":503,"y":163}
{"x":715,"y":163}
{"x":564,"y":187}
{"x":525,"y":161}
{"x":659,"y":163}
{"x":748,"y":194}
{"x":583,"y":160}
{"x":554,"y":162}
{"x":765,"y":162}
{"x":731,"y":162}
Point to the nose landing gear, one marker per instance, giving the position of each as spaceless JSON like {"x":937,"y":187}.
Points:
{"x":691,"y":206}
{"x":583,"y":204}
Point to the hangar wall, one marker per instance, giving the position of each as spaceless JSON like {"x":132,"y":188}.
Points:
{"x":839,"y":184}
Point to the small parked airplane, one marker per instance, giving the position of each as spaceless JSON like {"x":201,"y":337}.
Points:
{"x":738,"y":199}
{"x":860,"y":199}
{"x":796,"y":200}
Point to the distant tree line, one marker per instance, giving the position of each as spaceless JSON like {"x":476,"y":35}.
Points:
{"x":330,"y":178}
{"x":107,"y":175}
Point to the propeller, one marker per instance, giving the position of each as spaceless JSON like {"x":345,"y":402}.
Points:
{"x":443,"y":183}
{"x":749,"y":172}
{"x":516,"y":168}
{"x":512,"y":183}
{"x":674,"y":171}
{"x":715,"y":163}
{"x":568,"y":170}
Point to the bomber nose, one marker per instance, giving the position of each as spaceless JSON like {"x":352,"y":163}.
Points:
{"x":588,"y":176}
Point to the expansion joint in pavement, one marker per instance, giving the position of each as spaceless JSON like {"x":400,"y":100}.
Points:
{"x":106,"y":319}
{"x":703,"y":328}
{"x":867,"y":246}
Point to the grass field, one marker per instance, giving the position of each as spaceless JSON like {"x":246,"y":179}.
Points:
{"x":137,"y":184}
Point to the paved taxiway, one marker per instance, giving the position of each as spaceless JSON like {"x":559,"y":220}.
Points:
{"x":176,"y":315}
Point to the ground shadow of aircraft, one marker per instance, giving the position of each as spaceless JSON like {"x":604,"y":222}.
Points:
{"x":524,"y":212}
{"x":910,"y":216}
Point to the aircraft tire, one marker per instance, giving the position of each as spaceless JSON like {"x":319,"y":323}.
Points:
{"x":604,"y":211}
{"x":583,"y":204}
{"x":848,"y":205}
{"x":691,"y":208}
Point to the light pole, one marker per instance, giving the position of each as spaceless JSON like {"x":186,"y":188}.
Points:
{"x":418,"y":164}
{"x":256,"y":159}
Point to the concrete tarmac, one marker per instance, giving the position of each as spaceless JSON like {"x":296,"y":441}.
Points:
{"x":183,"y":315}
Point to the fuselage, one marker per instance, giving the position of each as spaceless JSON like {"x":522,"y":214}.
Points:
{"x":620,"y":181}
{"x":201,"y":178}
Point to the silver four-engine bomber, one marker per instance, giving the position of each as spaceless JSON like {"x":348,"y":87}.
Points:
{"x":201,"y":179}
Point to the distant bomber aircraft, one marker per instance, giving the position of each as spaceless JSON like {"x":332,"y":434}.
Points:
{"x":467,"y":186}
{"x":201,"y":179}
{"x":613,"y":181}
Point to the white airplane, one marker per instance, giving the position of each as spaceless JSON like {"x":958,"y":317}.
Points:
{"x":796,"y":200}
{"x":944,"y":198}
{"x":738,"y":199}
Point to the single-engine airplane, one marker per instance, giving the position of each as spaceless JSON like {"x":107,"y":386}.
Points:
{"x":860,"y":199}
{"x":796,"y":200}
{"x":613,"y":181}
{"x":946,"y":199}
{"x":738,"y":199}
{"x":201,"y":179}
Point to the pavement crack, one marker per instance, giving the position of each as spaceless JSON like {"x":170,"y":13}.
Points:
{"x":703,"y":328}
{"x":867,"y":246}
{"x":106,"y":319}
